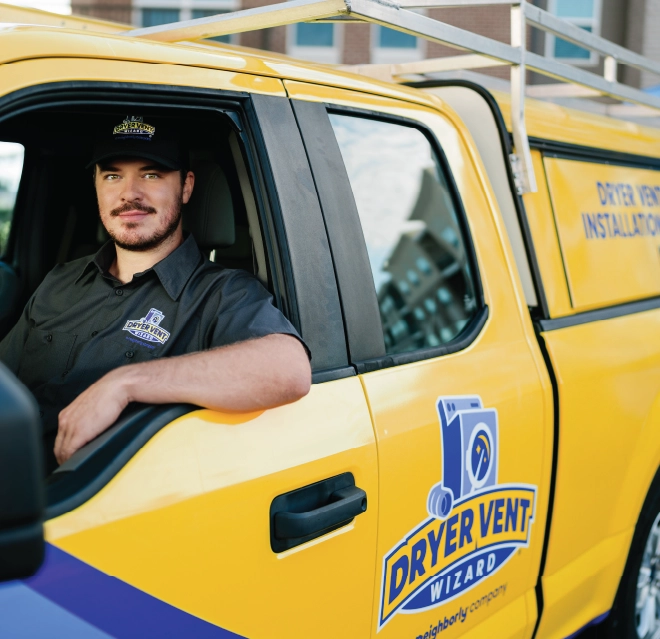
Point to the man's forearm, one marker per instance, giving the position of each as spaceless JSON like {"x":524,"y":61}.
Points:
{"x":252,"y":375}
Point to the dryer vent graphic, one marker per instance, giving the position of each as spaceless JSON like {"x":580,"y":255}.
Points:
{"x":469,"y":442}
{"x":473,"y":526}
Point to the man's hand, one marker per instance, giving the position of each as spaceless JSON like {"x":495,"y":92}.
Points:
{"x":90,"y":414}
{"x":253,"y":375}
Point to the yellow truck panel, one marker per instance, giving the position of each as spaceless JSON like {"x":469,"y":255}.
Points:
{"x":608,"y":221}
{"x":184,"y":520}
{"x":518,"y":524}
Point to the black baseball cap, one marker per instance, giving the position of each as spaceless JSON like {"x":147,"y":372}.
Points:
{"x":136,"y":138}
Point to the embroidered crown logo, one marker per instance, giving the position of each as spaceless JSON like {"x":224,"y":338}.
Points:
{"x":134,"y":128}
{"x":148,"y":328}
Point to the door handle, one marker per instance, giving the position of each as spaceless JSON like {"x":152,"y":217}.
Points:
{"x":315,"y":510}
{"x":346,"y":504}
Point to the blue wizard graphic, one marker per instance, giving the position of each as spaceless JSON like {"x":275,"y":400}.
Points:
{"x":468,"y":434}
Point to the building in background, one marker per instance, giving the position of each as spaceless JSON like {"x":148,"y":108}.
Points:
{"x":630,"y":23}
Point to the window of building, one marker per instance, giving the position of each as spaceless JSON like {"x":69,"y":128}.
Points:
{"x":11,"y":167}
{"x":582,"y":13}
{"x":154,"y":17}
{"x":393,"y":39}
{"x":314,"y":35}
{"x":315,"y":41}
{"x":392,"y":46}
{"x":416,"y":246}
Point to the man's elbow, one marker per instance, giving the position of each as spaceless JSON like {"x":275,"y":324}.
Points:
{"x":300,"y":381}
{"x":304,"y":384}
{"x":297,"y":377}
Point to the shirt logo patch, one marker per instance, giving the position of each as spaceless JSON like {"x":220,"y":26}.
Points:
{"x":148,"y":327}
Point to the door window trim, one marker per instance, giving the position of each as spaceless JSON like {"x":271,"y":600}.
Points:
{"x":265,"y":188}
{"x":342,"y":223}
{"x":361,"y":263}
{"x":302,"y":231}
{"x":98,"y":462}
{"x":506,"y":141}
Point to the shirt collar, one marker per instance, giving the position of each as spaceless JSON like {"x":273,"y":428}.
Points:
{"x":102,"y":260}
{"x":173,"y":271}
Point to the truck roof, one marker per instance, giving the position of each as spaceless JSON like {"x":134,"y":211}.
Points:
{"x":85,"y":38}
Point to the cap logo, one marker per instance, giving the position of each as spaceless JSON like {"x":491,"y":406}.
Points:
{"x":134,"y":128}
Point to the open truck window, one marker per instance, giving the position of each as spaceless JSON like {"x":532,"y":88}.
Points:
{"x":56,"y":221}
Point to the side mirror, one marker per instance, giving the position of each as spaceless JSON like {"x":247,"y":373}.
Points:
{"x":22,"y":485}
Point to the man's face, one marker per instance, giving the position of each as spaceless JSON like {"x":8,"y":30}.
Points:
{"x":140,"y":201}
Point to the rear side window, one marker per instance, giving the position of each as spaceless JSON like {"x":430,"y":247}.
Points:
{"x":11,"y":167}
{"x":415,"y":244}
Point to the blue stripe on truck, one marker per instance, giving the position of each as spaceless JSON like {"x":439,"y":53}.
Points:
{"x":114,"y":606}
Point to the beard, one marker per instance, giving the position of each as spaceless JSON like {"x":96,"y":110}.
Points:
{"x":145,"y":243}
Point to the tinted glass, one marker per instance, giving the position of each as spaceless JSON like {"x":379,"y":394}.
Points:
{"x":11,"y":166}
{"x":574,"y":8}
{"x":205,"y":13}
{"x":314,"y":35}
{"x":415,"y":244}
{"x":393,"y":39}
{"x":154,"y":17}
{"x":564,"y":49}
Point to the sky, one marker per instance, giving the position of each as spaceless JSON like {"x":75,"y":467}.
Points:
{"x":57,"y":6}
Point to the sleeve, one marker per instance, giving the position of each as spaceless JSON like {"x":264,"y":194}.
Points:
{"x":11,"y":347}
{"x":246,"y":311}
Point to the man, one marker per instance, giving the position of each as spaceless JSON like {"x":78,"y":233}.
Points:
{"x":148,"y":298}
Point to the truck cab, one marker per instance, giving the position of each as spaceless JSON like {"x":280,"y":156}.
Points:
{"x":478,"y":453}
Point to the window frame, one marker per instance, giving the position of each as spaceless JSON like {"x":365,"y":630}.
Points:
{"x":357,"y":325}
{"x":304,"y":300}
{"x":595,"y":22}
{"x":257,"y":117}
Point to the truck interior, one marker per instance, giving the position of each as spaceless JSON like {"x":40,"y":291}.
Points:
{"x":49,"y":215}
{"x":55,"y":216}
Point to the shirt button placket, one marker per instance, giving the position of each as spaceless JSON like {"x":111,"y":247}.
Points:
{"x":119,"y":291}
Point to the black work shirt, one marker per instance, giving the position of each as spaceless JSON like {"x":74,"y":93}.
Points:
{"x":82,"y":322}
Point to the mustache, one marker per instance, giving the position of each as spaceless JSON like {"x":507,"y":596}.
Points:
{"x":132,"y":206}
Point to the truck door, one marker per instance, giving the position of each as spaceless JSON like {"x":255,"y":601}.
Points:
{"x":457,"y":389}
{"x":167,"y":526}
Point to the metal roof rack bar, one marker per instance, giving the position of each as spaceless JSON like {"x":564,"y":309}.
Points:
{"x":273,"y":15}
{"x":567,"y":31}
{"x":484,"y":51}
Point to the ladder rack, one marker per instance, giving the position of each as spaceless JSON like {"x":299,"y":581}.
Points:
{"x":397,"y":14}
{"x":482,"y":51}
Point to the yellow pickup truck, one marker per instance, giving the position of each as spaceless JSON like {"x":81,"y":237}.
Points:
{"x":479,"y":453}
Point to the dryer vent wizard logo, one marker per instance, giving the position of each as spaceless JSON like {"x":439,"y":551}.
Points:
{"x":148,"y":328}
{"x":134,"y":128}
{"x":475,"y":524}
